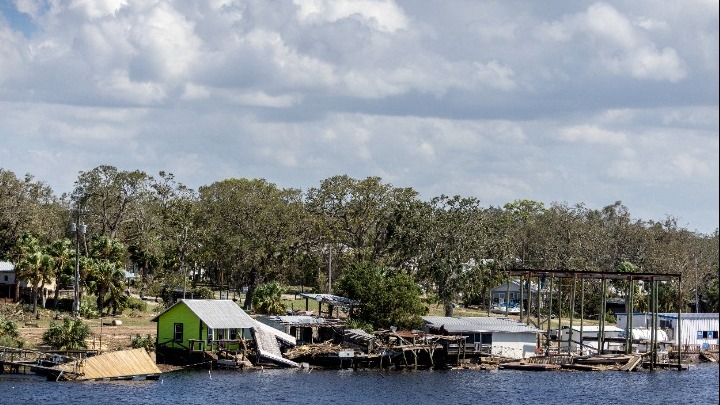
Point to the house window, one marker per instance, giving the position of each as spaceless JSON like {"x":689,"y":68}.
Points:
{"x":233,"y":334}
{"x":707,"y":334}
{"x":178,"y":332}
{"x":210,"y":335}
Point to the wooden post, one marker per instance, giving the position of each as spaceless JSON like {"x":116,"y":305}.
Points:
{"x":652,"y":323}
{"x":631,"y":318}
{"x":572,"y":312}
{"x":507,"y":297}
{"x":679,"y":324}
{"x":521,"y":298}
{"x":547,"y":338}
{"x":582,"y":314}
{"x":559,"y":325}
{"x":601,"y":328}
{"x":537,"y":307}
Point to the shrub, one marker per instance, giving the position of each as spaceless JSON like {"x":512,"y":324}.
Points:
{"x":71,"y":334}
{"x":147,"y":342}
{"x":136,"y":304}
{"x":203,"y":293}
{"x":354,"y":323}
{"x":88,"y":307}
{"x":9,"y":334}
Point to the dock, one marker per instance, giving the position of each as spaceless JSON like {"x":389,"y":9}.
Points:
{"x":120,"y":365}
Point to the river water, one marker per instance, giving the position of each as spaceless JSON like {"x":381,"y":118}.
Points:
{"x":698,"y":385}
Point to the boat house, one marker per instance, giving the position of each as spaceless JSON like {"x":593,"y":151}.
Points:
{"x":214,"y":327}
{"x":488,"y":335}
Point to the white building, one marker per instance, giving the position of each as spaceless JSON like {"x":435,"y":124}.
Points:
{"x":500,"y":336}
{"x":590,"y":339}
{"x":695,"y":328}
{"x":7,"y":280}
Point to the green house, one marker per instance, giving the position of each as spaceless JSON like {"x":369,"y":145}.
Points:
{"x":203,"y":325}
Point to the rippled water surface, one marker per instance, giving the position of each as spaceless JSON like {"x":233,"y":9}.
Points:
{"x":699,"y":385}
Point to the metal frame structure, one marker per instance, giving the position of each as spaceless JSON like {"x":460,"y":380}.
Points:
{"x":603,"y":276}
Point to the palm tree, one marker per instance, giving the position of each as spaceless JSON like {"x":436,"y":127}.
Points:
{"x":267,"y":299}
{"x":35,"y":266}
{"x":62,"y":253}
{"x":107,"y":278}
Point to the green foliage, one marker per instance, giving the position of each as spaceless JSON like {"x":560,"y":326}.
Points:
{"x":387,"y":297}
{"x":68,"y":335}
{"x":9,"y":334}
{"x":136,"y":304}
{"x":267,"y":299}
{"x":709,"y":293}
{"x":147,"y":342}
{"x":203,"y":293}
{"x":88,"y":307}
{"x":356,"y":323}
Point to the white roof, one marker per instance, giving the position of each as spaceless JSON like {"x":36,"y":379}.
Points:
{"x":7,"y":266}
{"x":226,"y":314}
{"x":674,"y":315}
{"x":596,"y":328}
{"x":478,"y":324}
{"x":217,"y":314}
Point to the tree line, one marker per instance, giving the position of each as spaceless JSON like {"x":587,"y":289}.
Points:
{"x":242,"y":232}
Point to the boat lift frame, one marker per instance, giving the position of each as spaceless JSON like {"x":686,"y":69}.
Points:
{"x":603,"y":276}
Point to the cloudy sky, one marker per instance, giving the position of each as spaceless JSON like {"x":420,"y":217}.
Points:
{"x":554,"y":101}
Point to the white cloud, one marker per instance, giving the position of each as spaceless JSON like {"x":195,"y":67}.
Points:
{"x":618,"y":43}
{"x":577,"y":102}
{"x":591,"y":134}
{"x":383,"y":15}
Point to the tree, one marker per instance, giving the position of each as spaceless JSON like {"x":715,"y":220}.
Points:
{"x":112,"y":201}
{"x":107,"y":276}
{"x":34,"y":266}
{"x":62,"y":255}
{"x":387,"y":297}
{"x":366,"y":220}
{"x":267,"y":299}
{"x":454,"y":241}
{"x":179,"y":230}
{"x":251,"y":231}
{"x":27,"y":207}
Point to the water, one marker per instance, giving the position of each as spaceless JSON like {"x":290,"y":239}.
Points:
{"x":699,"y":385}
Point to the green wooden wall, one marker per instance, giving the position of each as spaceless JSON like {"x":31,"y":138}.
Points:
{"x":179,"y":314}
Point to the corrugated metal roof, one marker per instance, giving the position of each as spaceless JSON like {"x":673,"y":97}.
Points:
{"x":7,"y":266}
{"x":330,"y":298}
{"x":690,"y":315}
{"x":220,"y":314}
{"x":217,"y":314}
{"x":596,"y":328}
{"x":299,"y":320}
{"x":267,"y":329}
{"x":479,"y":324}
{"x":673,"y":315}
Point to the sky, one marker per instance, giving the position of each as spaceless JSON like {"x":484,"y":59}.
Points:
{"x":570,"y":102}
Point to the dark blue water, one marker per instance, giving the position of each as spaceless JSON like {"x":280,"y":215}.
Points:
{"x":699,"y":385}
